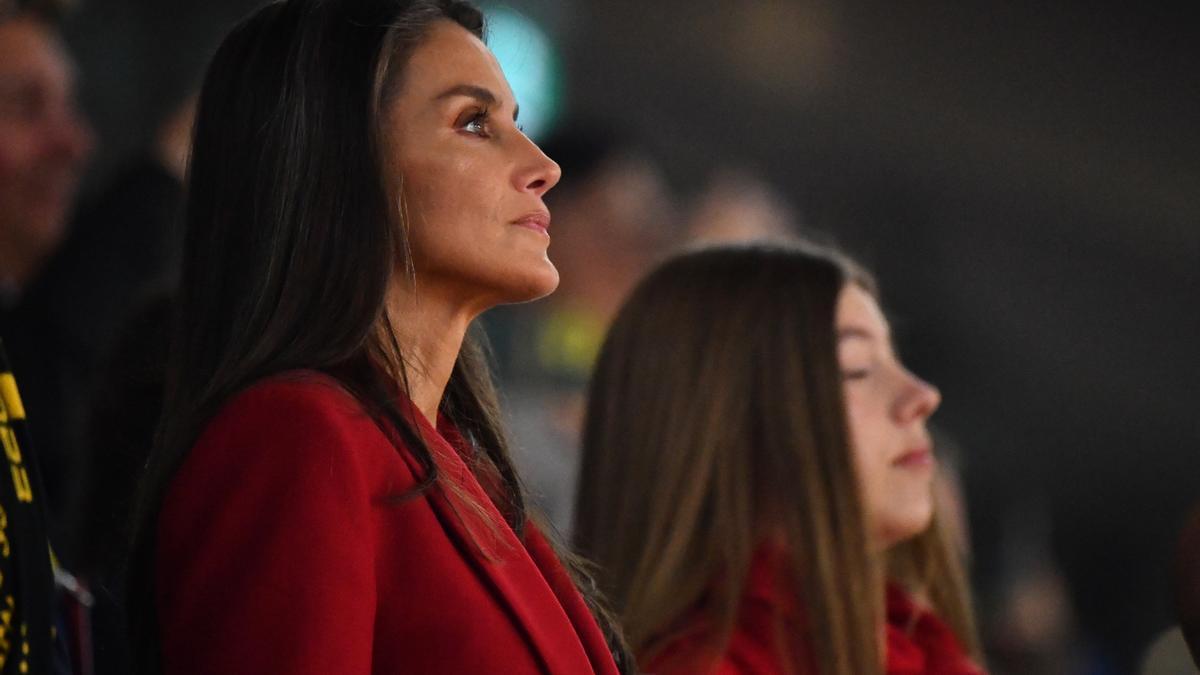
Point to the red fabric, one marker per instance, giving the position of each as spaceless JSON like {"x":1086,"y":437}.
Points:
{"x":281,"y":549}
{"x":918,"y":643}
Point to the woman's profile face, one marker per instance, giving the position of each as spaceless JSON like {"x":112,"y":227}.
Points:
{"x":472,"y":182}
{"x":886,"y":409}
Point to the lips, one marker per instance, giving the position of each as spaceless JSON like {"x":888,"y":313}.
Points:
{"x":915,"y":458}
{"x":538,"y":221}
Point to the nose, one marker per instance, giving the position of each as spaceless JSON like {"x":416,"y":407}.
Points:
{"x":918,"y":401}
{"x":538,"y":173}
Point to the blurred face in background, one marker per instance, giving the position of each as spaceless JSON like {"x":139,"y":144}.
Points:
{"x":886,"y":409}
{"x":43,"y":144}
{"x":612,"y":227}
{"x":472,"y":181}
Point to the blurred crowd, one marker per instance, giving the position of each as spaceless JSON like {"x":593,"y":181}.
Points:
{"x":85,"y":296}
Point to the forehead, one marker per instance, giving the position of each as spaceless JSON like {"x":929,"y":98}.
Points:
{"x":451,"y":55}
{"x":857,"y":309}
{"x":29,"y":50}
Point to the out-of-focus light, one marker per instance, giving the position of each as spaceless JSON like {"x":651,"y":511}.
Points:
{"x":531,"y":63}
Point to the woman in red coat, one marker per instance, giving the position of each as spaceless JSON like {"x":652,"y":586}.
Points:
{"x":331,"y":491}
{"x":758,"y":480}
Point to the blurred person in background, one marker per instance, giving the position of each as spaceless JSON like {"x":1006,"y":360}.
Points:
{"x":613,"y":218}
{"x":123,"y":416}
{"x":757,"y":485}
{"x":121,"y":259}
{"x":44,"y":143}
{"x":1031,"y":626}
{"x":121,"y":249}
{"x":130,"y":237}
{"x":736,"y":205}
{"x":331,"y":490}
{"x":125,"y":245}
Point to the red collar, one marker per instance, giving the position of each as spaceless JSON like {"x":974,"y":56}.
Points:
{"x":918,"y":642}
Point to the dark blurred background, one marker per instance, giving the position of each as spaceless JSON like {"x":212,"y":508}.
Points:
{"x":1023,"y":177}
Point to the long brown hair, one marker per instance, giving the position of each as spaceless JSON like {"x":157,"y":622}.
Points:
{"x":716,"y":423}
{"x":292,"y":239}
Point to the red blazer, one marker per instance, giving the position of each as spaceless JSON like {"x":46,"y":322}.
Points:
{"x":282,"y":550}
{"x":918,"y":643}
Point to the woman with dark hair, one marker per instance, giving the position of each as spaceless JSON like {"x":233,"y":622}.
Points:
{"x":331,"y":491}
{"x":757,"y":476}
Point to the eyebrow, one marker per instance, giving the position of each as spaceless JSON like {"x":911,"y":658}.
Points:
{"x":481,"y":94}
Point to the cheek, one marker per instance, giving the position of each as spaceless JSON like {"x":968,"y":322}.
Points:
{"x":866,"y":422}
{"x":12,"y":151}
{"x":897,"y":503}
{"x":869,"y":461}
{"x":872,"y":477}
{"x":447,"y":196}
{"x":15,"y":190}
{"x":459,"y":205}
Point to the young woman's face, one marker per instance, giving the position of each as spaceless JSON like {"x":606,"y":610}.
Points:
{"x":472,"y":182}
{"x":886,"y":408}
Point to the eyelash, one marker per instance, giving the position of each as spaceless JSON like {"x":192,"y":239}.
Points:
{"x":848,"y":375}
{"x":480,"y":117}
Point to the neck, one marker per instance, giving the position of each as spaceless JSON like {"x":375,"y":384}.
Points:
{"x":430,"y":328}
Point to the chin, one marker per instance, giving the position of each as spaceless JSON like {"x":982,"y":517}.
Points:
{"x":905,"y":525}
{"x":532,"y":284}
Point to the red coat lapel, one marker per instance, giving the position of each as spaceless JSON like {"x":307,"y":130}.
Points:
{"x":572,"y":602}
{"x":562,"y":638}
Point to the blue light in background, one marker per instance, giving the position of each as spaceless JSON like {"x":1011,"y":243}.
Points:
{"x":531,"y":63}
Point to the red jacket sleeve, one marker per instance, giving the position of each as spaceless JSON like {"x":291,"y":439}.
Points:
{"x":265,"y":560}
